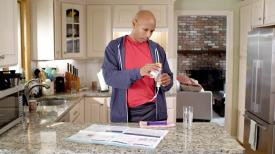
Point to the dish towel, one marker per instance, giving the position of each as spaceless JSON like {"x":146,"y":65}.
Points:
{"x":253,"y":135}
{"x":102,"y":83}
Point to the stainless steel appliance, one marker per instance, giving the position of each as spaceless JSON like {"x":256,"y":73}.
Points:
{"x":59,"y":84}
{"x":259,"y":130}
{"x":11,"y":107}
{"x":9,"y":79}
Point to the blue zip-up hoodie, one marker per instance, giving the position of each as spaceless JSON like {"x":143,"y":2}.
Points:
{"x":120,"y":79}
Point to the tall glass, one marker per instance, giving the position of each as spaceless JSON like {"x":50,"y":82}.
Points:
{"x":187,"y":116}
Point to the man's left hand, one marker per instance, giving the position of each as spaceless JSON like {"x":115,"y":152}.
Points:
{"x":165,"y":79}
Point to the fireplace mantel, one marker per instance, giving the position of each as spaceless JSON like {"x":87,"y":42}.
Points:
{"x":214,"y":51}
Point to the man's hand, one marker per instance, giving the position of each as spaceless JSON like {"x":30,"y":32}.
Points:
{"x":165,"y":79}
{"x":146,"y":69}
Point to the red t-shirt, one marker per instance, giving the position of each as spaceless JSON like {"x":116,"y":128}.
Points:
{"x":137,"y":55}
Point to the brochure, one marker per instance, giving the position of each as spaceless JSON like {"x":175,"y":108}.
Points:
{"x":119,"y":136}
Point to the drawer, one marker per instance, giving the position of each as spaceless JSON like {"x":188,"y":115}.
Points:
{"x":100,"y":100}
{"x":75,"y":113}
{"x":171,"y":115}
{"x":171,"y":102}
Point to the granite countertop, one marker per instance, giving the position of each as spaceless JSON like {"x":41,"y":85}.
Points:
{"x":41,"y":133}
{"x":90,"y":93}
{"x":207,"y":138}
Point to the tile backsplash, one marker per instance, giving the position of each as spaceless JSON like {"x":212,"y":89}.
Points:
{"x":87,"y":69}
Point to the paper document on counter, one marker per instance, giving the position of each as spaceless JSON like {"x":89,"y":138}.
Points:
{"x":119,"y":136}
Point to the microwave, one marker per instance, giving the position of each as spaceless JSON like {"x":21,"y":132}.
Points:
{"x":11,"y":107}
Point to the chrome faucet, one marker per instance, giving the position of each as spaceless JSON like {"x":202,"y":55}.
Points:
{"x":28,"y":90}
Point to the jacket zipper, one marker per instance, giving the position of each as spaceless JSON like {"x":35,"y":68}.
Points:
{"x":157,"y":60}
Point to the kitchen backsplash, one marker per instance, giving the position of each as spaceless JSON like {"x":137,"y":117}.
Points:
{"x":87,"y":68}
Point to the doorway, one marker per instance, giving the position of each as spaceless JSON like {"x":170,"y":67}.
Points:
{"x":223,"y":51}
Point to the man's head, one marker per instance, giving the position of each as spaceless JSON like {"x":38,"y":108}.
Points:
{"x":144,"y":24}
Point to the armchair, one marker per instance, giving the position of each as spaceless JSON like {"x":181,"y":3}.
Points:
{"x":201,"y":102}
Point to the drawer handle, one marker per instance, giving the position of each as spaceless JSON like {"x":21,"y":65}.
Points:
{"x":75,"y":112}
{"x":74,"y":119}
{"x":257,"y":124}
{"x":2,"y":57}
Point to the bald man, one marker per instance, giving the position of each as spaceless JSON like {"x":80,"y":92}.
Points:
{"x":137,"y":70}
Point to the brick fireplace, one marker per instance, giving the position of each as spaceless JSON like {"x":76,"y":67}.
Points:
{"x":202,"y":50}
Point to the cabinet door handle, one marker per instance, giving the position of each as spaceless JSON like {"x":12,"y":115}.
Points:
{"x":260,"y":19}
{"x":75,"y":112}
{"x":2,"y":57}
{"x":257,"y":124}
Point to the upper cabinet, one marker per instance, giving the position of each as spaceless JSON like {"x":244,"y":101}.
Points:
{"x":9,"y":33}
{"x":160,"y":12}
{"x":81,"y":29}
{"x":258,"y":13}
{"x":123,"y":14}
{"x":99,"y":29}
{"x":263,"y":12}
{"x":42,"y":29}
{"x":269,"y":12}
{"x":73,"y":30}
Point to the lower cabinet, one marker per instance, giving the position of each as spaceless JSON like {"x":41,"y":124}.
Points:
{"x":96,"y":110}
{"x":76,"y":114}
{"x":108,"y":101}
{"x":171,"y":108}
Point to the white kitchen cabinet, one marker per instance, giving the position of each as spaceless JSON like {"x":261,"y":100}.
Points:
{"x":171,"y":108}
{"x":269,"y":12}
{"x":73,"y":30}
{"x":123,"y":15}
{"x":42,"y":29}
{"x":160,"y":13}
{"x":96,"y":110}
{"x":77,"y":112}
{"x":99,"y":29}
{"x":108,"y":101}
{"x":257,"y":13}
{"x":263,"y":13}
{"x":9,"y":33}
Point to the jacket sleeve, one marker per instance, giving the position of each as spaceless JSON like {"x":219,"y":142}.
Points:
{"x":165,"y":69}
{"x":113,"y":74}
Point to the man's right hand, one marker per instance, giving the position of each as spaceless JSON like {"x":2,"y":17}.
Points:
{"x":146,"y":69}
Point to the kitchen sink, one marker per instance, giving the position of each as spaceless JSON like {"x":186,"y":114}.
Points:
{"x":52,"y":101}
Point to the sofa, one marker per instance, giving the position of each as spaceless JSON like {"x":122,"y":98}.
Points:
{"x":201,"y":102}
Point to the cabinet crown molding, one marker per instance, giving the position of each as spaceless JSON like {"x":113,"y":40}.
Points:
{"x":127,"y":2}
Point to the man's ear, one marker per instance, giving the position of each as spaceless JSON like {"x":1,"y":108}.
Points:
{"x":134,"y":22}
